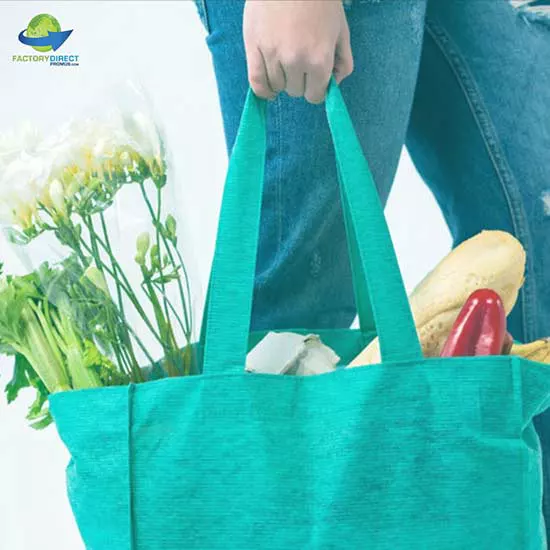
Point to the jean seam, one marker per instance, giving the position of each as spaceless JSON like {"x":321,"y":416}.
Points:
{"x":278,"y":125}
{"x":494,"y":149}
{"x":203,"y":14}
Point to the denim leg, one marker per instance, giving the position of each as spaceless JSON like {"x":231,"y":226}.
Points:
{"x":303,"y":274}
{"x":480,"y":137}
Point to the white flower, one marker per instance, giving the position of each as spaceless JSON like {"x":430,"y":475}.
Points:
{"x":20,"y":142}
{"x":24,"y":172}
{"x":145,"y":137}
{"x":111,"y":144}
{"x":22,"y":183}
{"x":57,"y":148}
{"x":88,"y":144}
{"x":57,"y":195}
{"x":35,"y":172}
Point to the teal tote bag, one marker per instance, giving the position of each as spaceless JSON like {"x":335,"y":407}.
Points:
{"x":408,"y":454}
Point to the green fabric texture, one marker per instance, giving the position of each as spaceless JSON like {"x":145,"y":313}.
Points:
{"x":408,"y":454}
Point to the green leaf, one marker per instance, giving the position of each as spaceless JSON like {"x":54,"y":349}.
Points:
{"x":92,"y":355}
{"x":16,"y":237}
{"x":39,"y":414}
{"x":160,"y":181}
{"x":12,"y":303}
{"x":36,"y":410}
{"x":24,"y":376}
{"x":36,"y":382}
{"x":6,"y":349}
{"x":57,"y":280}
{"x":19,"y":379}
{"x":106,"y":369}
{"x":166,"y":278}
{"x":43,"y":422}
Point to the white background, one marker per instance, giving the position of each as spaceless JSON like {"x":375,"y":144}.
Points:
{"x":161,"y":45}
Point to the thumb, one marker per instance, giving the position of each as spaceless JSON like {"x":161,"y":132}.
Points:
{"x":343,"y":57}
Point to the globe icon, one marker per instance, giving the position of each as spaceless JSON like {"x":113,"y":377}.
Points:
{"x":39,"y":26}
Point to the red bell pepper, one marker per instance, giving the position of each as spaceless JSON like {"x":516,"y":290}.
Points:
{"x":480,"y":328}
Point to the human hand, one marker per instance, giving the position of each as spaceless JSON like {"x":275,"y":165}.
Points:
{"x":296,"y":46}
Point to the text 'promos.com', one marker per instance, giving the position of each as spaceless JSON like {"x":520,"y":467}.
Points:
{"x":55,"y":60}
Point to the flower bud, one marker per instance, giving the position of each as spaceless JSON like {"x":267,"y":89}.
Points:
{"x":171,"y":227}
{"x":74,"y":187}
{"x":142,"y":246}
{"x":97,"y":278}
{"x":57,"y":195}
{"x":24,"y":215}
{"x":155,"y":257}
{"x":125,"y":159}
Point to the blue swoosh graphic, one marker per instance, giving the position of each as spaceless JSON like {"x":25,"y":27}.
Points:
{"x":54,"y":39}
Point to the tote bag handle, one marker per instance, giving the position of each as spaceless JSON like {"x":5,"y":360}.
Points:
{"x":379,"y":289}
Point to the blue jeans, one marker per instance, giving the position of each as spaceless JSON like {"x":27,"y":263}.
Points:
{"x":465,"y":84}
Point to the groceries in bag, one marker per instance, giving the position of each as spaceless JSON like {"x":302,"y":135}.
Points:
{"x":292,"y":354}
{"x":491,"y":259}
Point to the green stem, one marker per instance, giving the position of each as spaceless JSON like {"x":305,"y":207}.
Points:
{"x":78,"y":249}
{"x":184,"y":303}
{"x":42,"y":358}
{"x":87,"y":248}
{"x":140,"y":344}
{"x":95,"y":250}
{"x":66,"y":229}
{"x":116,"y":344}
{"x":187,"y":359}
{"x":111,"y":257}
{"x":126,"y":288}
{"x":125,"y":336}
{"x":128,"y":291}
{"x":129,"y":350}
{"x":189,"y":319}
{"x":170,"y":256}
{"x":121,"y":358}
{"x":77,"y":243}
{"x":37,"y":362}
{"x":48,"y":330}
{"x":163,"y":284}
{"x":170,"y":344}
{"x":166,"y":332}
{"x":172,"y":309}
{"x":82,"y":376}
{"x":54,"y":320}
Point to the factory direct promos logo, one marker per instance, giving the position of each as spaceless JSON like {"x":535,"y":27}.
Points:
{"x":44,"y":34}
